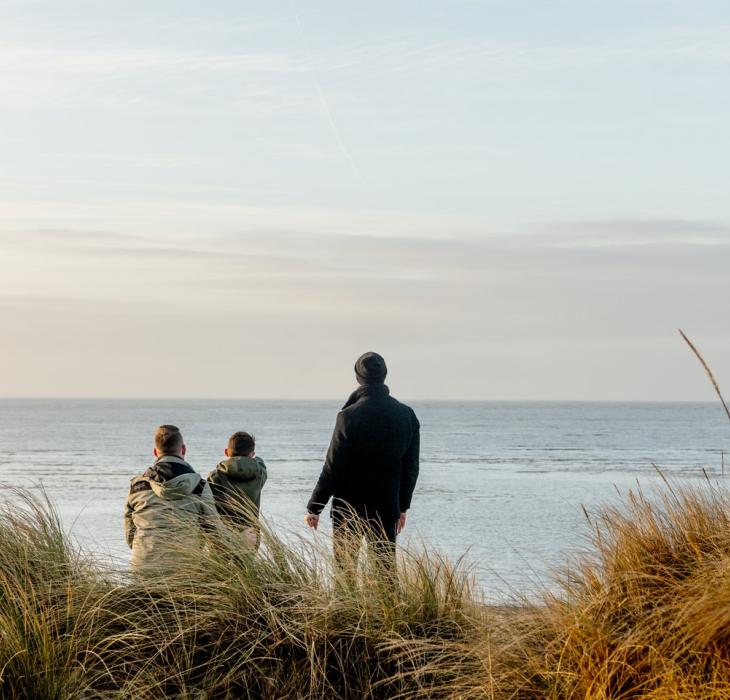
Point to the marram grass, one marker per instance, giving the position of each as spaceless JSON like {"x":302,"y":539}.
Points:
{"x":281,"y":624}
{"x":644,"y":613}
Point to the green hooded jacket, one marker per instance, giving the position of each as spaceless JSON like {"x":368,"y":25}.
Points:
{"x":236,"y":483}
{"x":165,"y":515}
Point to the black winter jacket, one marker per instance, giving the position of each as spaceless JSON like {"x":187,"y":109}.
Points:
{"x":372,"y":461}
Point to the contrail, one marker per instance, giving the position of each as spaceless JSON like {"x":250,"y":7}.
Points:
{"x":323,"y":101}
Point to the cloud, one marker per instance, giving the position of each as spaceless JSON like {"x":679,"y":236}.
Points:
{"x":510,"y":316}
{"x":638,"y":232}
{"x":395,"y":249}
{"x":72,"y":75}
{"x":65,"y":237}
{"x":31,"y":72}
{"x":84,"y":61}
{"x":286,"y":261}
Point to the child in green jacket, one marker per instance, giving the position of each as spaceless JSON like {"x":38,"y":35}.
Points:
{"x":237,"y":482}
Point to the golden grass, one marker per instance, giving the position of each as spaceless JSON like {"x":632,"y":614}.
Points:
{"x":643,"y":613}
{"x":646,"y":614}
{"x":282,"y":624}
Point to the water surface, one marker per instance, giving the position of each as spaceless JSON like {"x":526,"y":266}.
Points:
{"x":503,"y":482}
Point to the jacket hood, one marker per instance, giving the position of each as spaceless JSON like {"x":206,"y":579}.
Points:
{"x":171,"y":477}
{"x":177,"y":487}
{"x":241,"y":468}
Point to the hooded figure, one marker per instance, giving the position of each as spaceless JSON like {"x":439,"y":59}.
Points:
{"x":237,"y":483}
{"x":372,"y":463}
{"x":167,"y":510}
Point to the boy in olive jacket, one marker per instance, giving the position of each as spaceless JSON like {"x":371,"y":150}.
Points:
{"x":237,"y":483}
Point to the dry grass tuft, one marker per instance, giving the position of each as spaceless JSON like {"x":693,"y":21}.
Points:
{"x":645,"y":615}
{"x":283,"y":623}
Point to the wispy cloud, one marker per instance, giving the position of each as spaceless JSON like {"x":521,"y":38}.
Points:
{"x":582,"y":248}
{"x":237,"y":300}
{"x":639,"y":232}
{"x":22,"y":65}
{"x":82,"y":61}
{"x":66,"y":75}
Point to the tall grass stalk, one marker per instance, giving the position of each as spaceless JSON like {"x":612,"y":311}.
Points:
{"x":707,"y":369}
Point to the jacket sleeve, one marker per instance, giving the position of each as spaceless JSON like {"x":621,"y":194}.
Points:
{"x":410,"y":467}
{"x":334,"y":465}
{"x":263,"y":475}
{"x":129,"y":527}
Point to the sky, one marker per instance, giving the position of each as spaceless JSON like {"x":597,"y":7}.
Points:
{"x":507,"y":199}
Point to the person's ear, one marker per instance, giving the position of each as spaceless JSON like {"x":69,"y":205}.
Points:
{"x":184,"y":449}
{"x":227,"y":452}
{"x":154,"y":452}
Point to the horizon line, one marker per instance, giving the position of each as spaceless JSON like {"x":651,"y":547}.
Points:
{"x":339,"y":399}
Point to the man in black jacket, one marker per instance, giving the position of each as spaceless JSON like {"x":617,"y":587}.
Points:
{"x":371,"y":466}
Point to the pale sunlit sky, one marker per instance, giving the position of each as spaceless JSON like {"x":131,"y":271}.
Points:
{"x":507,"y":199}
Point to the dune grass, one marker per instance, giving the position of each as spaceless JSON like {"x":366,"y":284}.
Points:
{"x":284,"y":623}
{"x":643,"y":613}
{"x":46,"y":587}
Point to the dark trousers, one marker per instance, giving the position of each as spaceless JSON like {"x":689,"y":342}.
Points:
{"x":349,"y":528}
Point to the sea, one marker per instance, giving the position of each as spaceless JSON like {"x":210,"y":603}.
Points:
{"x":503,"y":486}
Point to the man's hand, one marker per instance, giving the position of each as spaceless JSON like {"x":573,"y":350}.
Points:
{"x":401,"y":524}
{"x":311,"y":520}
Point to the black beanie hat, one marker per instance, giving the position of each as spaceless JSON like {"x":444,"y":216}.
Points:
{"x":370,"y":369}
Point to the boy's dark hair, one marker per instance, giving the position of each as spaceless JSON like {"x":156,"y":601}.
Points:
{"x":168,"y":439}
{"x":241,"y":444}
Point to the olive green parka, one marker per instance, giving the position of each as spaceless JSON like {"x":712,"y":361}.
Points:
{"x":237,"y":483}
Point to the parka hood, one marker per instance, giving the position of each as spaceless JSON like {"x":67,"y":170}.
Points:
{"x":177,"y":487}
{"x":172,"y":477}
{"x":241,"y":468}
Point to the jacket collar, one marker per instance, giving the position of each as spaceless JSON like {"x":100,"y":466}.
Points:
{"x":365,"y":391}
